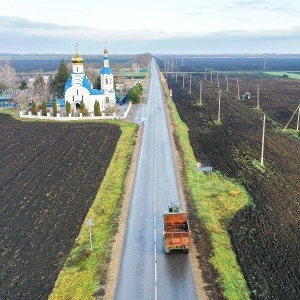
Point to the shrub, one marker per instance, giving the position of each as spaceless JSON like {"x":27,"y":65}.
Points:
{"x":136,"y":93}
{"x":54,"y":108}
{"x":68,"y":107}
{"x":44,"y":108}
{"x":82,"y":107}
{"x":33,"y":107}
{"x":97,"y":108}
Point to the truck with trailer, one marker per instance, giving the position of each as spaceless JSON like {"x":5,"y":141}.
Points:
{"x":176,"y":233}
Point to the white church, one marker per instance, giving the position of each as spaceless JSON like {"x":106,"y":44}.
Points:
{"x":79,"y":87}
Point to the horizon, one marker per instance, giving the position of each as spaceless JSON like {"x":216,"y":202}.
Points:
{"x":178,"y":55}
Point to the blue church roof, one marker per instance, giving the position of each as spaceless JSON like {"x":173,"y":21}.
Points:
{"x":68,"y":84}
{"x":106,"y":71}
{"x":96,"y":92}
{"x":86,"y":83}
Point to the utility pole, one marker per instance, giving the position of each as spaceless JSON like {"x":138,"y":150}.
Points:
{"x":172,"y":68}
{"x":263,"y":141}
{"x":200,"y":93}
{"x":190,"y":90}
{"x":298,"y":117}
{"x":211,"y":70}
{"x":227,"y":82}
{"x":257,"y":105}
{"x":218,"y":79}
{"x":298,"y":108}
{"x":204,"y":73}
{"x":183,"y":81}
{"x":238,"y":88}
{"x":219,"y":112}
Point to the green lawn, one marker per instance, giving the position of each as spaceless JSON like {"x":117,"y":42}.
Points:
{"x":281,"y":73}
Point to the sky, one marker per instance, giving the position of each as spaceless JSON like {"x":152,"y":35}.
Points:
{"x":156,"y":26}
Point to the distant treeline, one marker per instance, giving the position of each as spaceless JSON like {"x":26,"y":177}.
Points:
{"x":49,"y":63}
{"x":34,"y":56}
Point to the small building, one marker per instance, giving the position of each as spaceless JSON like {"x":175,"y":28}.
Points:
{"x":135,"y":67}
{"x":32,"y":79}
{"x":79,"y":88}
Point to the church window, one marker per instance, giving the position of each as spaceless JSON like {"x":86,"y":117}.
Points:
{"x":73,"y":97}
{"x":106,"y":80}
{"x":82,"y":97}
{"x":110,"y":80}
{"x":107,"y":100}
{"x":77,"y":92}
{"x":77,"y":69}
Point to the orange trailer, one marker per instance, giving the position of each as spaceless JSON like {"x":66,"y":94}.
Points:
{"x":176,"y":229}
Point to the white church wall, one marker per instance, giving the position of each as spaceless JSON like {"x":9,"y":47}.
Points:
{"x":77,"y":68}
{"x":76,"y":94}
{"x":107,"y":82}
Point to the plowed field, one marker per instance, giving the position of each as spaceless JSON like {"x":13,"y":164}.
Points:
{"x":50,"y":174}
{"x":265,"y":236}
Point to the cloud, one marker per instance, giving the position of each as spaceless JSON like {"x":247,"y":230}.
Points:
{"x":21,"y":28}
{"x":242,"y":6}
{"x":25,"y":27}
{"x":287,"y":7}
{"x":25,"y":36}
{"x":22,"y":23}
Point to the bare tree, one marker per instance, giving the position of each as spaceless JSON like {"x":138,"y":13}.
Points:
{"x":23,"y":99}
{"x":50,"y":87}
{"x":126,"y":87}
{"x":92,"y":75}
{"x":7,"y":76}
{"x":143,"y":60}
{"x":40,"y":89}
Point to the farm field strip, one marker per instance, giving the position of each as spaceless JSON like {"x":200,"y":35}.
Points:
{"x":278,"y":97}
{"x":46,"y":190}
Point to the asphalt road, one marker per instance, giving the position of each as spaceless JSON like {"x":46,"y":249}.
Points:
{"x":146,"y":271}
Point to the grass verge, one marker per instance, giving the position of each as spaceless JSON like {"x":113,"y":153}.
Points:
{"x":294,"y":133}
{"x":85,"y":271}
{"x":217,"y":200}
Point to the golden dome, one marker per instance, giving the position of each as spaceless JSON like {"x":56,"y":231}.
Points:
{"x":105,"y":51}
{"x":77,"y":59}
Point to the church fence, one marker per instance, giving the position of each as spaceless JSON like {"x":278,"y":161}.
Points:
{"x":72,"y":117}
